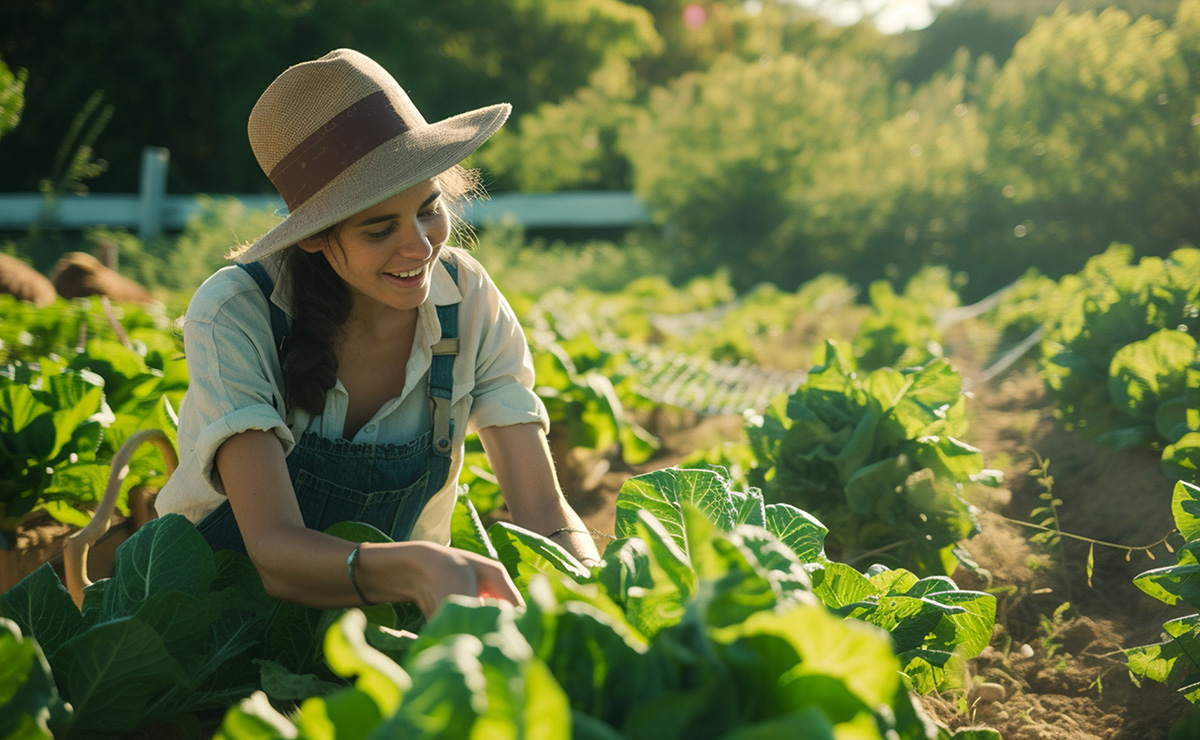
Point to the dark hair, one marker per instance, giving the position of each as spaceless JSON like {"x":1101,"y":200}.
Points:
{"x":322,"y":303}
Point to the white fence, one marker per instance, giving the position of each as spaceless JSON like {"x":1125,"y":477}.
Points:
{"x":152,"y":210}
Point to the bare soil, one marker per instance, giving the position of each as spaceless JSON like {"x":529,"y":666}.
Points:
{"x":1057,"y":646}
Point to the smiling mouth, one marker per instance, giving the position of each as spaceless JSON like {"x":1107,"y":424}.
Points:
{"x":407,"y":278}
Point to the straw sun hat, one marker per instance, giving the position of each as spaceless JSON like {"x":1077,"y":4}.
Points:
{"x":338,"y":135}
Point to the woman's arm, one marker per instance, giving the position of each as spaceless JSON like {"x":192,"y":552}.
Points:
{"x":309,"y":567}
{"x":520,"y":457}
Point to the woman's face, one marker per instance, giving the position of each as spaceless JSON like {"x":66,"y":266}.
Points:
{"x":387,"y":252}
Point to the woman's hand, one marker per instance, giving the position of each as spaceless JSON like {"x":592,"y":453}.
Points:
{"x":435,"y":572}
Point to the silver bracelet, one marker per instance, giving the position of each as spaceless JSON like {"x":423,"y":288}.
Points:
{"x":351,"y":563}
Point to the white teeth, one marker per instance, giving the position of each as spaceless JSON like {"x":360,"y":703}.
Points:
{"x":410,"y":273}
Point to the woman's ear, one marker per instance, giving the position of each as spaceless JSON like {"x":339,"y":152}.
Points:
{"x":315,"y":243}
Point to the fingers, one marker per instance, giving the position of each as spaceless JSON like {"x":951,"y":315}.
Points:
{"x":456,"y":572}
{"x":494,"y":583}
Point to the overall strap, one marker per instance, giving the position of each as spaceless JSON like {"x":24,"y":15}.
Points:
{"x":441,"y":371}
{"x":279,"y":323}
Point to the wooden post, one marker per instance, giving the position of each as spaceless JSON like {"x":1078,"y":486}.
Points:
{"x":152,"y":191}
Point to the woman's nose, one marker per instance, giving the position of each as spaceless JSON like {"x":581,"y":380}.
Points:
{"x":414,"y":241}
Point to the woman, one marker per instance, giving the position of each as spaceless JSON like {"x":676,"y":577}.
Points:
{"x":336,"y":369}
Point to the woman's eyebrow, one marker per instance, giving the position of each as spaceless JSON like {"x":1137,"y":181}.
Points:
{"x":389,"y":216}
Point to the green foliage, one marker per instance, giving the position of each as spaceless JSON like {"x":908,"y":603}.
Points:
{"x":1030,"y":302}
{"x":452,"y":56}
{"x":74,"y":162}
{"x":149,"y":642}
{"x":585,"y":393}
{"x":1119,"y":361}
{"x":1172,"y":661}
{"x":902,"y":330}
{"x":569,"y":145}
{"x":694,"y":625}
{"x":177,"y":635}
{"x":12,"y":97}
{"x":178,"y":265}
{"x":876,"y":457}
{"x":707,"y":613}
{"x":748,"y":186}
{"x":28,"y":697}
{"x":49,"y":418}
{"x":1092,"y":112}
{"x":73,"y":397}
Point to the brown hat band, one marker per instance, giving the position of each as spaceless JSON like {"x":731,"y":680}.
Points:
{"x":325,"y":154}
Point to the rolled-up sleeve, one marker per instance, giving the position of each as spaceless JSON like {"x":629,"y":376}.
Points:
{"x":503,"y":393}
{"x":231,"y":391}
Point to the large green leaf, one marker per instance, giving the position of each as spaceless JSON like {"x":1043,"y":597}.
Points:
{"x":29,"y":699}
{"x":450,"y":691}
{"x":1185,"y":506}
{"x":375,"y":674}
{"x":777,"y":563}
{"x":349,"y":714}
{"x":76,"y":397}
{"x":662,"y":494}
{"x":525,"y":554}
{"x":601,"y":662}
{"x":797,"y":529}
{"x":26,"y":426}
{"x":806,"y":657}
{"x":166,"y":554}
{"x":1182,"y":459}
{"x":466,"y":529}
{"x":934,"y":389}
{"x":111,"y":672}
{"x":840,"y":586}
{"x":255,"y":719}
{"x":1171,"y":661}
{"x":1145,"y":372}
{"x":1172,"y":583}
{"x":43,"y":609}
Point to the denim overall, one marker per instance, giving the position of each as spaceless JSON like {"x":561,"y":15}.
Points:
{"x":384,"y":485}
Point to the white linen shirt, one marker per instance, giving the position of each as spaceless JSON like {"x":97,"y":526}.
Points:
{"x":236,"y":383}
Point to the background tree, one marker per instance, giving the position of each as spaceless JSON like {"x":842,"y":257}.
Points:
{"x":1092,"y":138}
{"x":178,"y":77}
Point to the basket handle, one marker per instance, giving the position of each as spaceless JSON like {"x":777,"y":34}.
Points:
{"x":76,"y":546}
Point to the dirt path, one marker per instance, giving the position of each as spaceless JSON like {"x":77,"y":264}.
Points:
{"x":1057,"y":646}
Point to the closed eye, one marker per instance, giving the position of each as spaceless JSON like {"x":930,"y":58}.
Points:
{"x":381,"y":234}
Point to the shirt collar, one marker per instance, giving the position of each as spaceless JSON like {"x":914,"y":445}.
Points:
{"x":443,"y":291}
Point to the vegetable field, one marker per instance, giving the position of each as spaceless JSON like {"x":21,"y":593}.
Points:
{"x":827,"y":513}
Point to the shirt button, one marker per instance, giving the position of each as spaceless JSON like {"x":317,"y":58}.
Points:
{"x":369,"y":429}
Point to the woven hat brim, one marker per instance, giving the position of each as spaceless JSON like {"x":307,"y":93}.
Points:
{"x":391,"y":168}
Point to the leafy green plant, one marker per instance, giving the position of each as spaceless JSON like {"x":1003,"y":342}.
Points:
{"x":702,"y":620}
{"x":1175,"y":660}
{"x":877,"y":457}
{"x":576,"y":382}
{"x":1121,"y":350}
{"x":1181,"y":459}
{"x":1124,"y":363}
{"x":133,"y":384}
{"x":51,"y":421}
{"x":902,"y":330}
{"x":29,"y":700}
{"x":711,"y":610}
{"x":12,"y":97}
{"x":177,"y":634}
